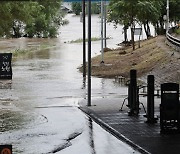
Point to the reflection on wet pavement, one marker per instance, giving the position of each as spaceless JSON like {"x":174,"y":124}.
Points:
{"x":91,"y":136}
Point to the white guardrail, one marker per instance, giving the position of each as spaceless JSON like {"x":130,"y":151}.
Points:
{"x":173,"y":41}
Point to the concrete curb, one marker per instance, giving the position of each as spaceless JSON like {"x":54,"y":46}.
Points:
{"x":111,"y":130}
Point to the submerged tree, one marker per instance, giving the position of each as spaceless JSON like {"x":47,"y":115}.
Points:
{"x":76,"y":8}
{"x":124,"y":12}
{"x":149,"y":12}
{"x":144,"y":12}
{"x":132,"y":12}
{"x":174,"y":14}
{"x":30,"y":18}
{"x":46,"y":20}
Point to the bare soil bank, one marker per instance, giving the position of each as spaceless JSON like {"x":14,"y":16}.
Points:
{"x":154,"y":57}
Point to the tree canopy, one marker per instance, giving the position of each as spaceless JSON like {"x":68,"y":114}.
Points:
{"x":30,"y":18}
{"x":143,"y":12}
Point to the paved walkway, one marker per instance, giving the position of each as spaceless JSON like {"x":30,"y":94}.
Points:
{"x":132,"y":129}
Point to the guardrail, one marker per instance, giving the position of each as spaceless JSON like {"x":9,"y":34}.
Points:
{"x":173,"y":41}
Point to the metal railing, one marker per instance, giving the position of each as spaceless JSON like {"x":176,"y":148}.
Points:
{"x":173,"y":41}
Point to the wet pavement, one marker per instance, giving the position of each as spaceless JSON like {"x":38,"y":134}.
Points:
{"x":56,"y":130}
{"x":39,"y":107}
{"x":134,"y":130}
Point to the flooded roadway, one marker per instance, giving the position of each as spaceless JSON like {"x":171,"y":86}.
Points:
{"x":39,"y":111}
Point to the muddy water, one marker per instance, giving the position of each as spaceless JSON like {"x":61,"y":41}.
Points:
{"x":39,"y":111}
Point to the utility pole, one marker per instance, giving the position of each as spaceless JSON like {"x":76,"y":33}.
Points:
{"x":102,"y":32}
{"x":105,"y":11}
{"x":167,"y":24}
{"x":84,"y":38}
{"x":89,"y":53}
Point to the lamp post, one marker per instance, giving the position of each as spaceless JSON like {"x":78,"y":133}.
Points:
{"x":102,"y":36}
{"x":89,"y":53}
{"x":84,"y":38}
{"x":105,"y":15}
{"x":167,"y":20}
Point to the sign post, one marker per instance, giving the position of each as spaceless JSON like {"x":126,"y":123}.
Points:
{"x":5,"y":66}
{"x":138,"y":31}
{"x":102,"y":32}
{"x":167,"y":20}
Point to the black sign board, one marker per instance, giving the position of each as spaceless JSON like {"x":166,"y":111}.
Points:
{"x":169,"y":107}
{"x":5,"y":66}
{"x":5,"y":149}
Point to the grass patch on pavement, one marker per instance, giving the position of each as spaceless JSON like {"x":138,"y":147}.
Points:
{"x":80,"y":40}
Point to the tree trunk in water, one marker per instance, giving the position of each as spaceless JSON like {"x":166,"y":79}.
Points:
{"x":125,"y":34}
{"x":157,"y":28}
{"x":132,"y":37}
{"x":15,"y":32}
{"x":162,"y":27}
{"x":147,"y":29}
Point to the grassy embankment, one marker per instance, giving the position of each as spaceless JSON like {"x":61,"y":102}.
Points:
{"x":154,"y":57}
{"x":120,"y":61}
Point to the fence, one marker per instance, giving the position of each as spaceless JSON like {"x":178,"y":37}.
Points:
{"x":173,"y":41}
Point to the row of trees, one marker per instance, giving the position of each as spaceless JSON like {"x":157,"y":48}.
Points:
{"x":143,"y":12}
{"x":30,"y":18}
{"x":43,"y":18}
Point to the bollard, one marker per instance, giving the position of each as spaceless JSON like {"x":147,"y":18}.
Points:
{"x":133,"y":102}
{"x":150,"y":99}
